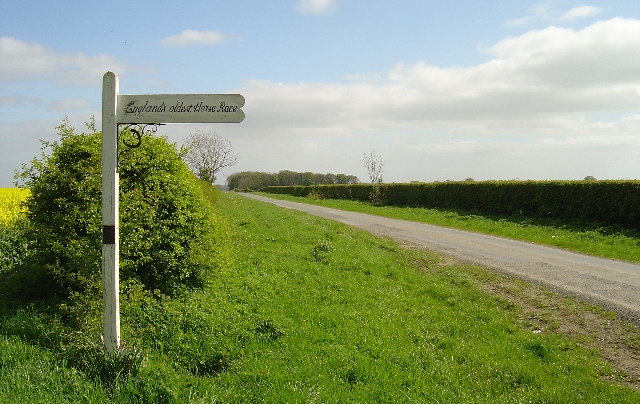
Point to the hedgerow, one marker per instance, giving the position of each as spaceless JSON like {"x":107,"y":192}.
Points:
{"x":605,"y":202}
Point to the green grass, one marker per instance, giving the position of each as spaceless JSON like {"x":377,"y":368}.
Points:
{"x":34,"y":375}
{"x":608,"y":242}
{"x":310,"y":311}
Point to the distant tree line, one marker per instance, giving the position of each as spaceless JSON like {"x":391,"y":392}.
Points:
{"x":254,"y":180}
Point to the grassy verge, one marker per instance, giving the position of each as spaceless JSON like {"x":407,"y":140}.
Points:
{"x":608,"y":242}
{"x":314,"y":311}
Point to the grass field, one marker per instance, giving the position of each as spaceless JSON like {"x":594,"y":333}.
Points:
{"x":608,"y":242}
{"x":314,"y":311}
{"x":10,"y":204}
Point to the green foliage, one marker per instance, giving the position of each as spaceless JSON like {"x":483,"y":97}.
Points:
{"x":14,"y":245}
{"x":205,"y":175}
{"x":90,"y":357}
{"x":344,"y":317}
{"x":361,"y":192}
{"x":369,"y":322}
{"x":30,"y":374}
{"x":250,"y":180}
{"x":170,"y":239}
{"x":320,"y":251}
{"x":168,"y":233}
{"x":604,"y":202}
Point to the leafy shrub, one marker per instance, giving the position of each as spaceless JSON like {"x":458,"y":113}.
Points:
{"x":168,"y":232}
{"x":14,"y":245}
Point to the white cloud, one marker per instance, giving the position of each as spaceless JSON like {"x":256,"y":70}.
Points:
{"x":545,"y":84}
{"x":315,"y":6}
{"x":537,"y":79}
{"x":550,"y":103}
{"x":20,"y":61}
{"x":580,"y":12}
{"x":548,"y":12}
{"x":596,"y":57}
{"x":193,"y":37}
{"x":539,"y":12}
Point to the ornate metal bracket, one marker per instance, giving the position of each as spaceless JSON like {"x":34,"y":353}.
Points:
{"x":137,"y":130}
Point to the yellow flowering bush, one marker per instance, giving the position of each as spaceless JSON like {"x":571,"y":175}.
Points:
{"x":11,"y":206}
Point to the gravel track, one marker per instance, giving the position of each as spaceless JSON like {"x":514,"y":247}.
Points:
{"x":615,"y":285}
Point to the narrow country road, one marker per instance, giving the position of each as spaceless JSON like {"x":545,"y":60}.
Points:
{"x":615,"y":285}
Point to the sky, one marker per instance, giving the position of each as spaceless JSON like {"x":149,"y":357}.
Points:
{"x":441,"y":90}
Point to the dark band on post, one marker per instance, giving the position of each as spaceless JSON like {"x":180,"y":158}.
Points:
{"x":108,"y":234}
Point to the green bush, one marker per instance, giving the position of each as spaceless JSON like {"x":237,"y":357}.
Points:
{"x":168,"y":231}
{"x":14,"y":245}
{"x":604,"y":202}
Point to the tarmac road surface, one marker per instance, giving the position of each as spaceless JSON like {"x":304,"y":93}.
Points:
{"x":615,"y":285}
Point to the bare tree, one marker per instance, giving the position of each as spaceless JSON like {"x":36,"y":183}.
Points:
{"x":374,"y":164}
{"x":208,"y":153}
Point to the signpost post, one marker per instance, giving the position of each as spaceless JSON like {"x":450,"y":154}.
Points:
{"x":141,"y":109}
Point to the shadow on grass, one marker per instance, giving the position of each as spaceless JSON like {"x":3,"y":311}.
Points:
{"x":32,"y":311}
{"x":578,"y":226}
{"x":29,"y":308}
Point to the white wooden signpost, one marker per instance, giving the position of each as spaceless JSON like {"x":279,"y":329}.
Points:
{"x":120,"y":109}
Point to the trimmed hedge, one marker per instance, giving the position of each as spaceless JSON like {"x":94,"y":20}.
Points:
{"x":604,"y":202}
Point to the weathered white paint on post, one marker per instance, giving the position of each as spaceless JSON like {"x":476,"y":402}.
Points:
{"x":110,"y":190}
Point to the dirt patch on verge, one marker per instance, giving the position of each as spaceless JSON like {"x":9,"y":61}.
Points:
{"x":543,"y":310}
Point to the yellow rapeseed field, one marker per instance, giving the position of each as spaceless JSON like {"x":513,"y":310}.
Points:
{"x":11,"y":204}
